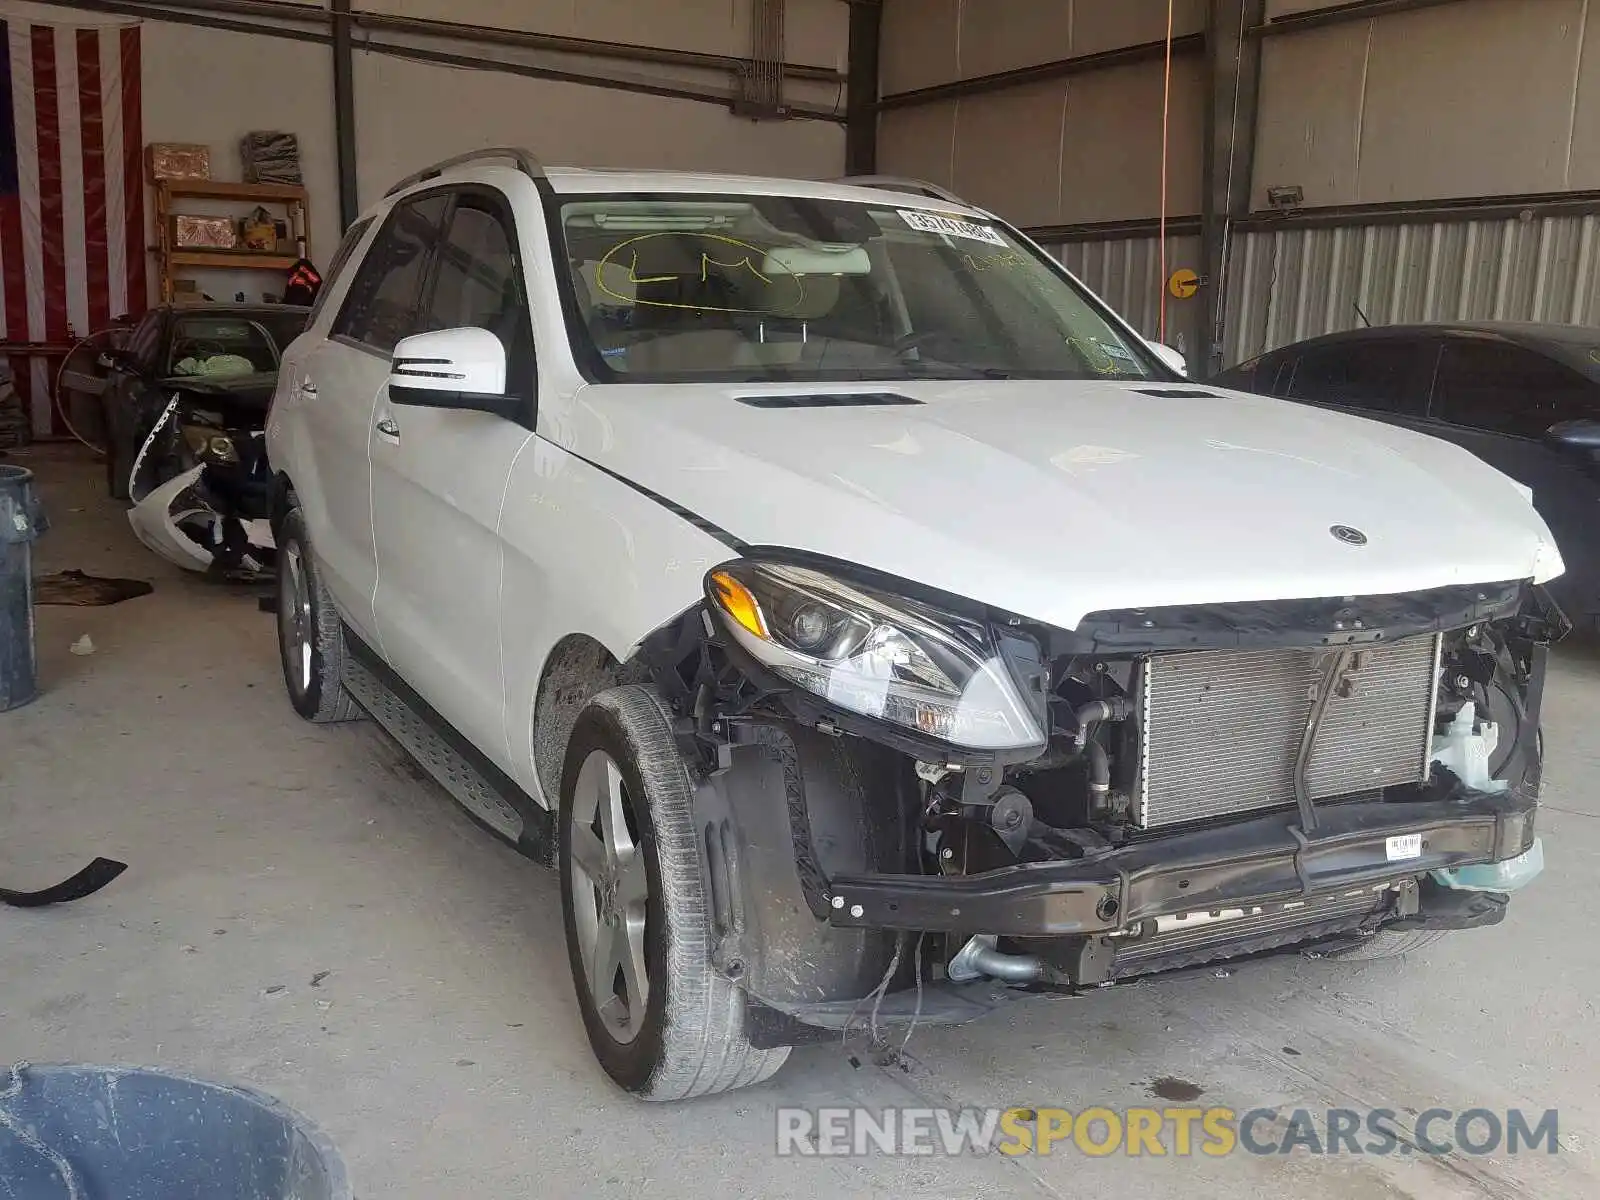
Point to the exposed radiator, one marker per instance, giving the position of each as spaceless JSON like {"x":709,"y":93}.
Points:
{"x":1220,"y":729}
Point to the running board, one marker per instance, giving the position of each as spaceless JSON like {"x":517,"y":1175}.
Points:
{"x":412,"y":723}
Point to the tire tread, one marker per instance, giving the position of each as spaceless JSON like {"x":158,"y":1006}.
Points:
{"x":333,"y":703}
{"x":705,"y":1050}
{"x":1389,"y":943}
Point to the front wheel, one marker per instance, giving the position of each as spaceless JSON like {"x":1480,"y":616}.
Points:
{"x":310,"y":634}
{"x":1388,"y":943}
{"x":664,"y":1024}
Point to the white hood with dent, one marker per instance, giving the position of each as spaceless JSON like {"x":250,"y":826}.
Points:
{"x":1061,"y":498}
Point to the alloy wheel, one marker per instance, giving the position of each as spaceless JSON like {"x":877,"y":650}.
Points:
{"x":610,"y":896}
{"x":295,"y":625}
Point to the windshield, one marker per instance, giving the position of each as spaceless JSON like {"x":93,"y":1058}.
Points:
{"x":674,"y":288}
{"x":243,"y":344}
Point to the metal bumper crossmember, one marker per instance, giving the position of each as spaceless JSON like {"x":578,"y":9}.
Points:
{"x":1262,"y":861}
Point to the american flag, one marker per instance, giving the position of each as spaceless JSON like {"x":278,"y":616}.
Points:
{"x":72,"y":224}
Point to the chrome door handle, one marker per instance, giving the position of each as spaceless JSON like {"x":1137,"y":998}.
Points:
{"x":388,"y":428}
{"x":308,"y":390}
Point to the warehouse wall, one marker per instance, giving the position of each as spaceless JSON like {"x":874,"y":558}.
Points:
{"x":1448,"y":102}
{"x":1478,"y":98}
{"x":443,"y":111}
{"x":211,"y":86}
{"x":1126,"y":273}
{"x":409,"y":113}
{"x":816,"y":30}
{"x":1291,"y":284}
{"x":1085,"y":148}
{"x":1473,"y":99}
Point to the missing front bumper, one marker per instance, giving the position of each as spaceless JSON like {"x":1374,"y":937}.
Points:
{"x":1258,"y":862}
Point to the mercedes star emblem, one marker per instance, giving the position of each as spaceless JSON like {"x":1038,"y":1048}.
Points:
{"x":1349,"y":536}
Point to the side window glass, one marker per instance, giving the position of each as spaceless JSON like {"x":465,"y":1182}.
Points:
{"x":1370,"y":375}
{"x":1274,"y":375}
{"x":1507,"y":389}
{"x":475,"y":282}
{"x":142,"y":343}
{"x":383,"y":301}
{"x":341,"y":256}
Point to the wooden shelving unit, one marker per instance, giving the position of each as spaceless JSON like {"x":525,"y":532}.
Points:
{"x":169,"y":195}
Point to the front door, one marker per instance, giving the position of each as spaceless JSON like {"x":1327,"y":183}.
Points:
{"x":338,"y":383}
{"x":438,"y":482}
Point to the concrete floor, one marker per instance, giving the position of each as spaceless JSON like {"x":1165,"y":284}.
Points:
{"x":443,"y":1051}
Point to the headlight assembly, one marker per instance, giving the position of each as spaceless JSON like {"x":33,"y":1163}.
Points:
{"x":883,"y":657}
{"x":210,"y":446}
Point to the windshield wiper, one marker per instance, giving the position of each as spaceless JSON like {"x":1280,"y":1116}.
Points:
{"x":933,"y":369}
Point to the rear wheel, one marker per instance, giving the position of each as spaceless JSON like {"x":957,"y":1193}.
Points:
{"x":662,"y":1022}
{"x":310,"y":634}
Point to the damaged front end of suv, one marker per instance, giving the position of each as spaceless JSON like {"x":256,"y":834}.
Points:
{"x":908,"y":799}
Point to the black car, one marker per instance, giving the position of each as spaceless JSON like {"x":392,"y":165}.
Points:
{"x":185,"y":409}
{"x":221,"y":351}
{"x":1523,"y":397}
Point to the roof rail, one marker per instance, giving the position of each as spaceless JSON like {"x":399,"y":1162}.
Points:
{"x":524,"y":161}
{"x":898,"y":183}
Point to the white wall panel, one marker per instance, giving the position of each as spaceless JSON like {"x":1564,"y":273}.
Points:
{"x":929,"y":42}
{"x":817,"y":29}
{"x":212,"y":87}
{"x":1484,"y":98}
{"x":1076,"y":150}
{"x":410,"y":114}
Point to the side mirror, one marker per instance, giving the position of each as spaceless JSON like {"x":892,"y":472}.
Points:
{"x":454,"y":368}
{"x":1171,"y":357}
{"x":1580,"y":439}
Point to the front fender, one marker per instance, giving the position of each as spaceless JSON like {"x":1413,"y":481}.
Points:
{"x":585,"y":554}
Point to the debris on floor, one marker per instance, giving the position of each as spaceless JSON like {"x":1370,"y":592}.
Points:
{"x":84,"y":646}
{"x":86,"y":591}
{"x":85,"y":883}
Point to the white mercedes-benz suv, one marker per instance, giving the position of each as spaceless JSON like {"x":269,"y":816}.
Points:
{"x":871,"y":626}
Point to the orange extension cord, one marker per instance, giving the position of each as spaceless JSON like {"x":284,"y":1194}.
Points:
{"x":1166,"y":108}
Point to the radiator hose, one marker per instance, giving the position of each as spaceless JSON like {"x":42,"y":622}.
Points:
{"x":1117,"y":708}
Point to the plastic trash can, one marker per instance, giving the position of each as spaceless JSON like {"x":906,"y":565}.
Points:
{"x":21,"y":522}
{"x":109,"y":1133}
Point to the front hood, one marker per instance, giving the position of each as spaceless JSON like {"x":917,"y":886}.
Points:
{"x":1055,"y":499}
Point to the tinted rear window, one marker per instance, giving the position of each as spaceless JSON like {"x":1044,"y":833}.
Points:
{"x":1373,"y":375}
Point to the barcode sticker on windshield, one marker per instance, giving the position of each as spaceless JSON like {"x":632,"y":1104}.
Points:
{"x":934,"y":223}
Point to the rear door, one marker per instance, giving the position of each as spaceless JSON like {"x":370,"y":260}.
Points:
{"x":339,"y":383}
{"x":131,"y":401}
{"x":439,"y":479}
{"x":1498,"y":399}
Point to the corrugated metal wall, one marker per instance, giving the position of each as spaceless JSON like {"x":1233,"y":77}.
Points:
{"x":1126,"y":274}
{"x":1289,"y":284}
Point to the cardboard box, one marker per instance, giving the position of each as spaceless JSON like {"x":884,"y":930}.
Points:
{"x":177,"y":160}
